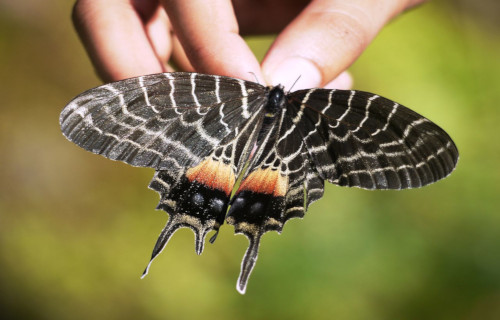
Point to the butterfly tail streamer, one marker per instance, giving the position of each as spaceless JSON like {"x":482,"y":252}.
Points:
{"x":170,"y":228}
{"x":199,"y":240}
{"x":248,"y":262}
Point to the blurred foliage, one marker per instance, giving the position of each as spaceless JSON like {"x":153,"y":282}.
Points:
{"x":76,"y":229}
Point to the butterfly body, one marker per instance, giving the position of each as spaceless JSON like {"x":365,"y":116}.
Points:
{"x":201,"y":133}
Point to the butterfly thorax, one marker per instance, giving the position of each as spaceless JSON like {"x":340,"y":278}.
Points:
{"x":275,"y":100}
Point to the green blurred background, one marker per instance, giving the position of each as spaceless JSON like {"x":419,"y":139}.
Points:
{"x":76,"y":230}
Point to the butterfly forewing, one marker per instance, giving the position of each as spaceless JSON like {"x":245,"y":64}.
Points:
{"x":359,"y":139}
{"x":148,"y":121}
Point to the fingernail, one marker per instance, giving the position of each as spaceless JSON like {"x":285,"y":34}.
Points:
{"x":295,"y":71}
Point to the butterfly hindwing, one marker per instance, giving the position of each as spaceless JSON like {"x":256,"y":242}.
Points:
{"x":278,"y":185}
{"x":197,"y":197}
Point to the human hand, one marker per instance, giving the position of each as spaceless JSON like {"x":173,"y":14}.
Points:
{"x":318,"y":40}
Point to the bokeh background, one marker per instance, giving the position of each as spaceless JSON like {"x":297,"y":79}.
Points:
{"x":76,"y":230}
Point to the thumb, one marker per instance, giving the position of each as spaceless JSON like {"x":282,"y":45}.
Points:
{"x":324,"y":40}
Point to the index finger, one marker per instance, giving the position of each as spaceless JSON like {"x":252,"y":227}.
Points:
{"x":209,"y":34}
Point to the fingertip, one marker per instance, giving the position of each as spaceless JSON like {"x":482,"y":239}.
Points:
{"x":298,"y":72}
{"x":209,"y":35}
{"x":343,"y":81}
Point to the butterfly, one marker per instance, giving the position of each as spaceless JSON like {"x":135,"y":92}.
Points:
{"x":201,"y":133}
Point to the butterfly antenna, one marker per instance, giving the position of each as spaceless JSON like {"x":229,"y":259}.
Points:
{"x":255,"y":76}
{"x":293,"y":85}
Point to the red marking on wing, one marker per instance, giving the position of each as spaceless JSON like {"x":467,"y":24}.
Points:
{"x":213,"y":174}
{"x":266,"y":181}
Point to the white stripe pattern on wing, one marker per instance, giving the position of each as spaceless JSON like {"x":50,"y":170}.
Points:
{"x":145,"y":92}
{"x":171,"y":94}
{"x":217,"y":88}
{"x":367,"y":112}
{"x":244,"y":99}
{"x":388,"y":121}
{"x":193,"y":87}
{"x":347,"y":110}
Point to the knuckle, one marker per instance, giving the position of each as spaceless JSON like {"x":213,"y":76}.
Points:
{"x":353,"y":30}
{"x":85,"y":10}
{"x":76,"y":12}
{"x":80,"y":12}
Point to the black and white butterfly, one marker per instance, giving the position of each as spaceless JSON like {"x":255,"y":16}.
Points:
{"x":202,"y":132}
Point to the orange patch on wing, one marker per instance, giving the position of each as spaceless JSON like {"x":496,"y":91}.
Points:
{"x":266,"y":181}
{"x":213,"y":174}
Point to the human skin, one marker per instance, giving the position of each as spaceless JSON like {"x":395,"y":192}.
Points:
{"x":317,"y":40}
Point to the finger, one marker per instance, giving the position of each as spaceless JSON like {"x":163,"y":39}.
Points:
{"x":159,"y":32}
{"x":266,"y":17}
{"x":179,"y":57}
{"x":342,"y":82}
{"x":115,"y":39}
{"x":325,"y":39}
{"x":208,"y":32}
